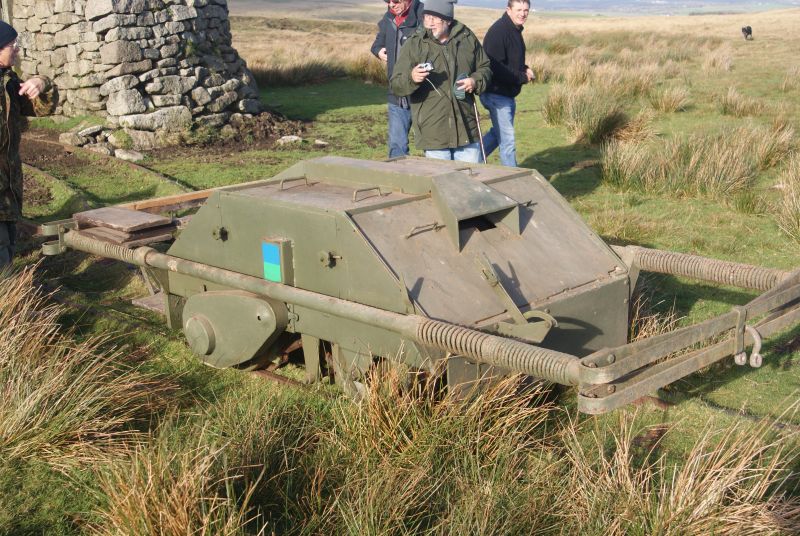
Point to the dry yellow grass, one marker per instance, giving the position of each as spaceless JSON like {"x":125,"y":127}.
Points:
{"x":670,"y":99}
{"x":789,"y":206}
{"x":738,"y":105}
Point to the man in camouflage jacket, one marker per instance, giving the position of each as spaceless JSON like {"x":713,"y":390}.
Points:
{"x":17,"y":99}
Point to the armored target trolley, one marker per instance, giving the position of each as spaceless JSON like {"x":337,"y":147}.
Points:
{"x":474,"y":270}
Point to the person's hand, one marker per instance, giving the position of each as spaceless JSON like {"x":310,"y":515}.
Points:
{"x":418,"y":74}
{"x":32,"y":88}
{"x":382,"y":55}
{"x":530,"y":74}
{"x":467,"y":84}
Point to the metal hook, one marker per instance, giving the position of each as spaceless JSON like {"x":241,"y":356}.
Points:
{"x":755,"y":355}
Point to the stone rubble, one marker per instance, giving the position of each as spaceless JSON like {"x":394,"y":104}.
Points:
{"x":150,"y":67}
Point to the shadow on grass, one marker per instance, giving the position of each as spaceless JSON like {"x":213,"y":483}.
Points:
{"x":574,"y":170}
{"x":310,"y":101}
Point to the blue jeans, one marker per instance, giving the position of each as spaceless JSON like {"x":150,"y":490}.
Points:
{"x":399,"y":125}
{"x":466,"y":153}
{"x":501,"y":110}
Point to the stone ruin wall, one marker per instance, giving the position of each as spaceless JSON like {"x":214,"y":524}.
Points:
{"x":151,"y":67}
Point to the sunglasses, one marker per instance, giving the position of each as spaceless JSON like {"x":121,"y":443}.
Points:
{"x":13,"y":44}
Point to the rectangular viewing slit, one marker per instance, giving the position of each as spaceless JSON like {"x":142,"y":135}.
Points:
{"x":479,"y":223}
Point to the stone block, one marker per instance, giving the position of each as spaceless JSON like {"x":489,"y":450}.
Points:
{"x":44,"y":41}
{"x":120,"y":83}
{"x":129,"y":155}
{"x":163,"y":101}
{"x":168,"y":51}
{"x":96,"y":9}
{"x":170,"y":85}
{"x":72,"y":138}
{"x":125,"y":102}
{"x":101,"y":148}
{"x":44,"y":8}
{"x":112,"y":21}
{"x":120,"y":52}
{"x":250,"y":106}
{"x":65,"y":18}
{"x":150,"y":75}
{"x":79,"y":68}
{"x":69,"y":36}
{"x":174,"y":119}
{"x":212,"y":120}
{"x":90,"y":131}
{"x":130,"y":68}
{"x":99,"y":8}
{"x":142,"y":140}
{"x":145,"y":19}
{"x":34,"y":24}
{"x":200,"y":96}
{"x":62,"y":6}
{"x":231,"y":85}
{"x":178,"y":13}
{"x":90,"y":80}
{"x":222,"y":102}
{"x":89,"y":94}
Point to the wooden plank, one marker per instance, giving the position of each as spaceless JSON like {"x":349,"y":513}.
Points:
{"x":153,"y":303}
{"x":187,"y":199}
{"x":122,"y":219}
{"x":170,"y":200}
{"x":122,"y":236}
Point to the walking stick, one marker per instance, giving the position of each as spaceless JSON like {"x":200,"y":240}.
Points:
{"x":480,"y":134}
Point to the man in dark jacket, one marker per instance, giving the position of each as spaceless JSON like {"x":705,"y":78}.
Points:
{"x":506,"y":50}
{"x":16,"y":99}
{"x":441,"y":68}
{"x":398,"y":24}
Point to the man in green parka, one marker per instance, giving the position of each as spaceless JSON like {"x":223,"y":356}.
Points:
{"x":17,"y":98}
{"x":442,"y":93}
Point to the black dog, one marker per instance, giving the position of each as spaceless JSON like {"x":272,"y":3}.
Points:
{"x":747,"y":32}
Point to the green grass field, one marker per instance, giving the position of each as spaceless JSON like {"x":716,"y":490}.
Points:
{"x":109,"y":425}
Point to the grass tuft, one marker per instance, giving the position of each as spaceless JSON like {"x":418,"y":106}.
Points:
{"x":638,"y":129}
{"x":670,"y":99}
{"x":718,"y":59}
{"x":63,"y":401}
{"x":738,"y":105}
{"x":718,"y":166}
{"x":791,"y":81}
{"x":788,"y":213}
{"x":169,"y":489}
{"x":592,"y":117}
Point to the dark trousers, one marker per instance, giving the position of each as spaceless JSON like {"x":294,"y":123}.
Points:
{"x":8,"y":239}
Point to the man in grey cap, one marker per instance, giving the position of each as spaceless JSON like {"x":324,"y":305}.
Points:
{"x":441,"y":68}
{"x":398,"y":24}
{"x":17,"y":98}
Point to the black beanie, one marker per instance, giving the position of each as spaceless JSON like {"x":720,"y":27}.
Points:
{"x":7,"y":33}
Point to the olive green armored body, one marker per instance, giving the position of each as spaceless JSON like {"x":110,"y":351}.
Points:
{"x":468,"y":271}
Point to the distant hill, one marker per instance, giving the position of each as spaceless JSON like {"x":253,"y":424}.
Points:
{"x":651,"y":7}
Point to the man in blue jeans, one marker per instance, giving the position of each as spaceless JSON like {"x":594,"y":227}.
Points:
{"x":506,"y":50}
{"x":400,"y":21}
